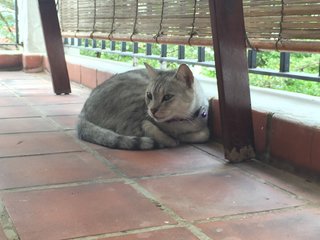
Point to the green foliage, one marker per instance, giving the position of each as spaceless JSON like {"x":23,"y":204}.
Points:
{"x":299,"y":62}
{"x":308,"y":63}
{"x":7,"y":22}
{"x":287,"y":84}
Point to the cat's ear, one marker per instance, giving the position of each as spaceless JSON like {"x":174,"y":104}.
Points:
{"x":184,"y":74}
{"x":151,"y":71}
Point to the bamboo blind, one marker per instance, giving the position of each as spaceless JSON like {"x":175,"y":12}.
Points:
{"x":288,"y":25}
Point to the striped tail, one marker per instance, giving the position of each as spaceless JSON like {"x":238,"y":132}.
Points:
{"x":92,"y":133}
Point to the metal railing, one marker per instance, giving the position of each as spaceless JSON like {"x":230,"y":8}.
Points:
{"x":100,"y":46}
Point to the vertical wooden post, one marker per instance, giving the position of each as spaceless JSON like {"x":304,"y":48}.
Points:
{"x":228,"y":32}
{"x":54,"y":46}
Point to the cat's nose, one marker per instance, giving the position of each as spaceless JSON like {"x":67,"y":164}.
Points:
{"x":154,"y":110}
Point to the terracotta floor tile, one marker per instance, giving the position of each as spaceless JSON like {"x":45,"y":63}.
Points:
{"x":291,"y":225}
{"x":91,"y":145}
{"x":27,"y":83}
{"x":67,"y":122}
{"x":81,"y":211}
{"x":17,"y":75}
{"x":51,"y":169}
{"x":80,"y":90}
{"x":55,"y":99}
{"x":213,"y":148}
{"x":36,"y":143}
{"x":11,"y":101}
{"x":18,"y":112}
{"x":61,"y":109}
{"x":220,"y":193}
{"x":156,"y":162}
{"x":301,"y":187}
{"x":168,"y":234}
{"x":32,"y":85}
{"x":17,"y":125}
{"x":34,"y":92}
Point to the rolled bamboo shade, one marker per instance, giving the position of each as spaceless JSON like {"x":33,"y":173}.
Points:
{"x":287,"y":25}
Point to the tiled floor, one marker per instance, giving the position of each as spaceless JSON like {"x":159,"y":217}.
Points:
{"x":53,"y":186}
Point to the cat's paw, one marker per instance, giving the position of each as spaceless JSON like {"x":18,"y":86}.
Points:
{"x":147,"y":143}
{"x":172,"y":143}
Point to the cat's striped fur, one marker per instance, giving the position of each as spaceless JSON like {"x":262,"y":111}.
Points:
{"x":145,"y":109}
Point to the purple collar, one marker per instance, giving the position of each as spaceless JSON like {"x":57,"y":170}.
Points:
{"x":201,"y":112}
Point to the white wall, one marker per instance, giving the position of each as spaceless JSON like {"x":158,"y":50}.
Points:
{"x":30,"y":28}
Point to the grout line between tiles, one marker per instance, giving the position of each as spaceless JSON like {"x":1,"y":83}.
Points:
{"x":275,"y":186}
{"x":126,"y":232}
{"x":252,"y":214}
{"x":182,"y":222}
{"x":220,"y":159}
{"x":40,"y":154}
{"x":60,"y":185}
{"x":133,"y":182}
{"x":139,"y":189}
{"x":16,"y":133}
{"x":183,"y":173}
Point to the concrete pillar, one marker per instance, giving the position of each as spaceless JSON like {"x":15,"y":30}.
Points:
{"x":30,"y":29}
{"x":31,"y":35}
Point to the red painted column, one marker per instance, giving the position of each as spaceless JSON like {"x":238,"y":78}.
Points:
{"x":54,"y":46}
{"x":228,"y":32}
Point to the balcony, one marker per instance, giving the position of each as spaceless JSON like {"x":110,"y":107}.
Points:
{"x":55,"y":186}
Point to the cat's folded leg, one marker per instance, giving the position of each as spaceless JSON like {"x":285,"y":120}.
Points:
{"x":195,"y":137}
{"x":159,"y":136}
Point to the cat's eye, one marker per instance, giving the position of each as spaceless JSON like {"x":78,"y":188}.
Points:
{"x":149,"y":95}
{"x":167,"y":97}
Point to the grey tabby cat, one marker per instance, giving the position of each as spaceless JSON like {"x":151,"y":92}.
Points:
{"x":146,"y":109}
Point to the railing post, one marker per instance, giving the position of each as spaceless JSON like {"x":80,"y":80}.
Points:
{"x":103,"y":44}
{"x":201,"y":54}
{"x":123,"y":46}
{"x":135,"y":51}
{"x":86,"y":42}
{"x":113,"y":45}
{"x":149,"y":49}
{"x":227,"y":23}
{"x":252,"y":58}
{"x":284,"y":62}
{"x":164,"y":49}
{"x":181,"y":52}
{"x":94,"y":43}
{"x":135,"y":47}
{"x":54,"y":46}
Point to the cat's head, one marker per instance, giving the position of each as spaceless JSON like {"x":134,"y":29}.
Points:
{"x":170,"y":94}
